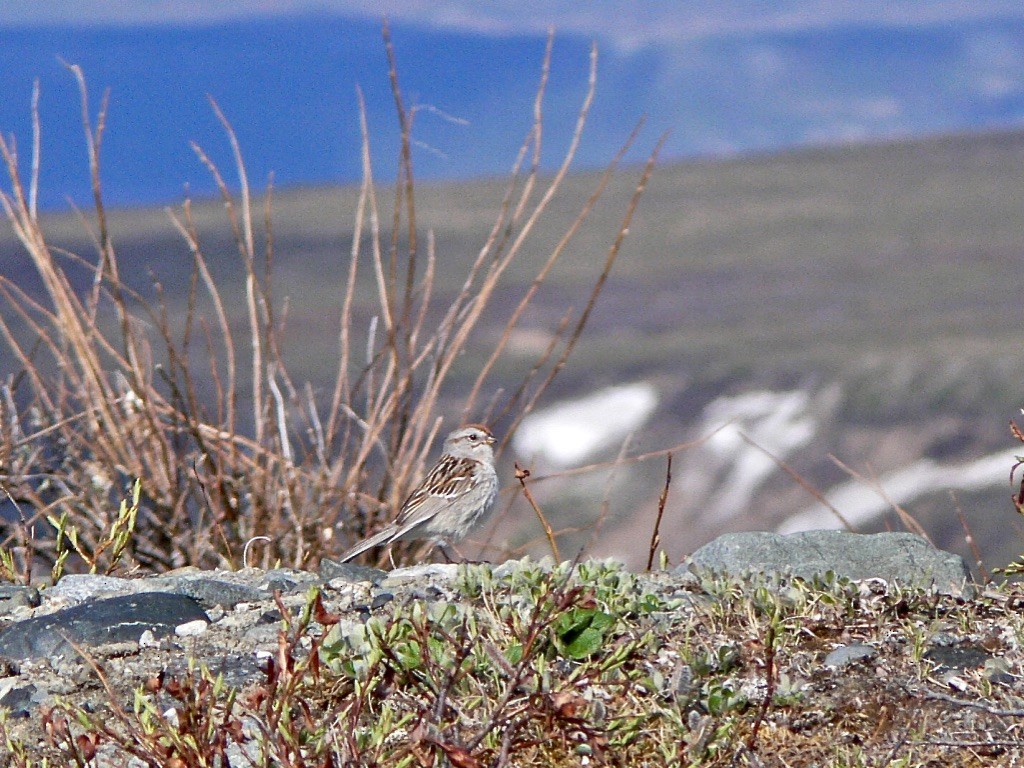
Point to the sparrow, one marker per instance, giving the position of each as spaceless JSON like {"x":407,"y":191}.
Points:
{"x":456,"y":493}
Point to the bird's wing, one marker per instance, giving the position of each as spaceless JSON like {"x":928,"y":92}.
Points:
{"x":450,"y":479}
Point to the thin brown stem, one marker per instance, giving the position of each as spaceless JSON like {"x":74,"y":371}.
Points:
{"x":521,"y":475}
{"x":662,"y":499}
{"x":800,"y":480}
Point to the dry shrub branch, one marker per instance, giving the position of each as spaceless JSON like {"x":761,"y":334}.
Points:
{"x":112,"y":387}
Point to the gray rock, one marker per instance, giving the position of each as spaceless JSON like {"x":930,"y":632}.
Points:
{"x":331,"y":569}
{"x":209,"y":588}
{"x":19,"y":700}
{"x":286,"y":580}
{"x":79,"y":587}
{"x":15,"y":596}
{"x":209,"y":592}
{"x":98,"y":622}
{"x":901,"y":558}
{"x":845,"y":655}
{"x":962,"y":656}
{"x":420,"y":574}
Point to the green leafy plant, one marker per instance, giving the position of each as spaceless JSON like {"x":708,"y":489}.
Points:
{"x":580,"y":632}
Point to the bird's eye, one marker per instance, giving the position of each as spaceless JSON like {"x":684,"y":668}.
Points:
{"x":472,"y":438}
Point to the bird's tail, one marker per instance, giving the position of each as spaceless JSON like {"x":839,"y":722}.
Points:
{"x":381,"y":537}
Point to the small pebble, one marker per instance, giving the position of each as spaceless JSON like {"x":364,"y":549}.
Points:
{"x":191,"y":628}
{"x":148,"y":640}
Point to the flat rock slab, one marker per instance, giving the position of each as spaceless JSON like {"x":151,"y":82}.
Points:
{"x":98,"y":622}
{"x":332,"y":569}
{"x":217,"y":588}
{"x":900,"y":558}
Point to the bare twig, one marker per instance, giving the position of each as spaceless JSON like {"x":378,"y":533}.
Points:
{"x":521,"y":475}
{"x":598,"y":525}
{"x":662,"y":499}
{"x":609,"y":262}
{"x":107,"y":407}
{"x":969,"y":538}
{"x":997,"y":711}
{"x":908,"y":521}
{"x":803,"y":483}
{"x":638,"y":459}
{"x":769,"y":694}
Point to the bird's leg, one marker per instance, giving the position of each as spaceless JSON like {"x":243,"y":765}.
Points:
{"x":445,"y":549}
{"x":448,"y":550}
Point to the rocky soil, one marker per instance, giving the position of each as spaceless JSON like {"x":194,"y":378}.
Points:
{"x":822,"y":646}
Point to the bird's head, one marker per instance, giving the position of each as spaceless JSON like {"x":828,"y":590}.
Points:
{"x":472,"y":441}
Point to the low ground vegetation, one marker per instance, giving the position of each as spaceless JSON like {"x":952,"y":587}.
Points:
{"x":534,"y":665}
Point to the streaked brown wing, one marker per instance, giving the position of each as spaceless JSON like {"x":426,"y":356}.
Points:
{"x":450,"y":478}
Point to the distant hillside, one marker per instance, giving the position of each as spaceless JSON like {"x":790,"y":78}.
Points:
{"x":861,"y":302}
{"x":288,"y":86}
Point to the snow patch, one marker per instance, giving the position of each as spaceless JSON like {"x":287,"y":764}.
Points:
{"x":860,"y":503}
{"x":567,"y":434}
{"x":778,"y":422}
